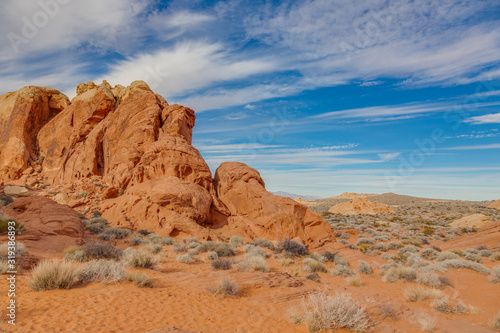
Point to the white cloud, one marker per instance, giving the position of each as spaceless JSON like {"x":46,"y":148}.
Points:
{"x":493,"y":118}
{"x":474,"y":147}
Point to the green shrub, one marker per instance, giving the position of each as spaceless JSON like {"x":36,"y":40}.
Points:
{"x":49,"y":274}
{"x":4,"y":226}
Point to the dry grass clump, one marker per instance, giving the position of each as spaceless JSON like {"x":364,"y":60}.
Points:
{"x":495,"y":256}
{"x":114,"y":233}
{"x":421,"y":293}
{"x":342,"y":270}
{"x":394,"y":274}
{"x":7,"y":250}
{"x":426,"y":322}
{"x":442,"y":305}
{"x":51,"y":274}
{"x":75,"y":253}
{"x":222,"y":264}
{"x":101,"y":270}
{"x":226,"y":288}
{"x":4,"y":267}
{"x":495,"y":276}
{"x":322,"y":312}
{"x":254,"y":263}
{"x":354,"y":281}
{"x":262,"y":242}
{"x":140,"y":280}
{"x":137,"y":258}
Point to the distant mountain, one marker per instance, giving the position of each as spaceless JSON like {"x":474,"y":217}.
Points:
{"x":294,"y":196}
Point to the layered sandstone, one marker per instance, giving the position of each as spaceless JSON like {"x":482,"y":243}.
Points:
{"x":361,"y":206}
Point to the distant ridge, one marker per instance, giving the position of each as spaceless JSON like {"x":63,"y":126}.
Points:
{"x":295,"y":196}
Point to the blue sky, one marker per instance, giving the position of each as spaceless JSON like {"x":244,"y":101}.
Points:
{"x":321,"y":96}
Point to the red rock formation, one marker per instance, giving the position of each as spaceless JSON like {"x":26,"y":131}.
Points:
{"x":50,"y":227}
{"x":111,"y":140}
{"x":361,"y":206}
{"x":495,"y":204}
{"x":255,"y":212}
{"x":22,"y":115}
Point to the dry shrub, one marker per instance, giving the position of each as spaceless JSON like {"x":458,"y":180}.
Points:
{"x":421,"y":293}
{"x":51,"y":274}
{"x":226,"y":288}
{"x":101,"y":270}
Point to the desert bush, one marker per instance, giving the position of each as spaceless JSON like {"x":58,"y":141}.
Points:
{"x":421,"y":293}
{"x":166,"y":240}
{"x":447,"y":256}
{"x":429,"y":254}
{"x":236,"y":241}
{"x":153,"y":248}
{"x":7,"y":250}
{"x":426,"y":322}
{"x":135,"y":258}
{"x":443,"y":266}
{"x":388,"y":257}
{"x":412,"y":241}
{"x":343,"y":241}
{"x":367,"y":241}
{"x":429,"y":278}
{"x":292,"y":247}
{"x":393,"y":246}
{"x":342,"y":270}
{"x":136,"y":240}
{"x":495,"y":256}
{"x":185,"y":258}
{"x":50,"y":274}
{"x":340,"y":261}
{"x":75,"y":253}
{"x":254,"y":263}
{"x":485,"y":253}
{"x":382,"y":238}
{"x":495,"y":276}
{"x":445,"y":281}
{"x":473,"y":251}
{"x":314,"y":277}
{"x":364,"y":268}
{"x":222,"y":264}
{"x":457,"y":252}
{"x":408,"y":249}
{"x":354,"y":280}
{"x":318,"y":257}
{"x":330,"y":256}
{"x":222,"y":249}
{"x":314,"y":266}
{"x":101,"y":251}
{"x":473,"y":257}
{"x":496,"y":322}
{"x":188,"y":241}
{"x":322,"y":312}
{"x":344,"y":235}
{"x":226,"y":288}
{"x":436,"y":248}
{"x":255,"y":250}
{"x":116,"y":232}
{"x":140,"y":280}
{"x":394,"y":274}
{"x":262,"y":242}
{"x":380,"y":247}
{"x":4,"y":226}
{"x":442,"y":305}
{"x":5,"y":201}
{"x":180,"y":248}
{"x":212,"y":256}
{"x":101,"y":270}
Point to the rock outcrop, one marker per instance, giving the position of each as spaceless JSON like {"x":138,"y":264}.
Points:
{"x":471,"y":221}
{"x":131,"y":153}
{"x":255,"y":212}
{"x":361,"y":206}
{"x":495,"y":204}
{"x":49,"y":226}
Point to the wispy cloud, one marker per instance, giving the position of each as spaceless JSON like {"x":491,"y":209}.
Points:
{"x":493,"y":118}
{"x":474,"y":147}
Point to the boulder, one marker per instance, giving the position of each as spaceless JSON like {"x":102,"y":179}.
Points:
{"x":16,"y":191}
{"x":49,"y":226}
{"x":361,"y":206}
{"x":255,"y":212}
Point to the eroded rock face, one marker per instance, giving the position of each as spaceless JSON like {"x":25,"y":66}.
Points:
{"x":495,"y":204}
{"x":255,"y":212}
{"x":50,"y":227}
{"x":131,"y":152}
{"x":361,"y":206}
{"x":22,"y":114}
